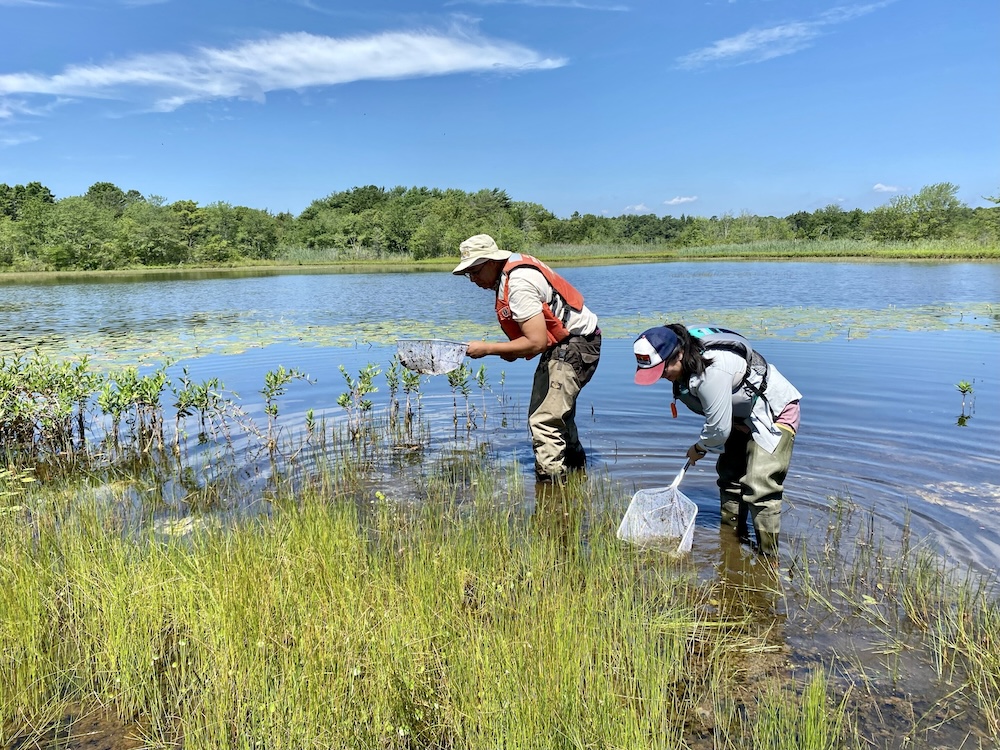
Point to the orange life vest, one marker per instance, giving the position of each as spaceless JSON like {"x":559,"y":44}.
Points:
{"x":555,"y":329}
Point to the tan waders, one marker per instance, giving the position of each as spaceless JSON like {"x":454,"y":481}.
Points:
{"x":563,"y":371}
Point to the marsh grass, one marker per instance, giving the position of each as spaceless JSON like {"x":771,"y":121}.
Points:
{"x":345,"y":617}
{"x":776,"y":249}
{"x":346,"y":609}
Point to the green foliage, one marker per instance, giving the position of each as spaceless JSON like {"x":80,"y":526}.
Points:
{"x":276,"y":385}
{"x":111,"y":228}
{"x":207,"y":399}
{"x":355,"y":400}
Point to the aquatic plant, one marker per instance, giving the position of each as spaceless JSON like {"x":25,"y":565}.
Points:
{"x":966,"y":389}
{"x":458,"y":381}
{"x":392,"y":381}
{"x":127,"y":397}
{"x":42,"y":403}
{"x":483,"y":383}
{"x":411,"y":387}
{"x":208,"y":400}
{"x":276,"y":385}
{"x":355,"y":400}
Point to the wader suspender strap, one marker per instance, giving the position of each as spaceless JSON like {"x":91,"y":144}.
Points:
{"x":738,"y":347}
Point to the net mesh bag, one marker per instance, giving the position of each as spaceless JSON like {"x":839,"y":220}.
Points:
{"x":662,"y":518}
{"x":430,"y":356}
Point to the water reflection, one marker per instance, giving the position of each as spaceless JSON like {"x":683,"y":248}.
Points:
{"x":749,"y":584}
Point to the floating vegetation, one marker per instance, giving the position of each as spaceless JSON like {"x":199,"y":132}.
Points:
{"x":229,"y":334}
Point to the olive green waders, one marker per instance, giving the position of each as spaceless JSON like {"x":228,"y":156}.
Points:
{"x":562,"y":372}
{"x":751,"y":483}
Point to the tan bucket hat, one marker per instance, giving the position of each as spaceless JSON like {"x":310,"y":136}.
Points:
{"x":478,"y":249}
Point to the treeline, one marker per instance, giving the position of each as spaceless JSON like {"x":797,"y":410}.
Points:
{"x":109,"y":228}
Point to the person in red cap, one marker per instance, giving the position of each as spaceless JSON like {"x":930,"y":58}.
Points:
{"x":540,"y":313}
{"x":751,"y":417}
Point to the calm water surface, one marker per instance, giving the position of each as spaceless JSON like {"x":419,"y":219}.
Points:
{"x":882,"y":424}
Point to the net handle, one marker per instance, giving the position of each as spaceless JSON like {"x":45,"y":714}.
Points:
{"x":680,"y":475}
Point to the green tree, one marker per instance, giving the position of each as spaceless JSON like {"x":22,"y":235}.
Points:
{"x":107,"y":196}
{"x":9,"y":241}
{"x":191,"y":221}
{"x":150,"y":234}
{"x":892,"y":222}
{"x":13,"y":199}
{"x":80,"y":235}
{"x":256,"y":233}
{"x":936,"y":211}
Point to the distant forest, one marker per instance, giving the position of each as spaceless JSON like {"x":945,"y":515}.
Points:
{"x":109,"y":228}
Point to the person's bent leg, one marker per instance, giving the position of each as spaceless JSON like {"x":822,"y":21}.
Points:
{"x":583,"y":354}
{"x":548,"y":415}
{"x":765,"y":482}
{"x":731,"y":467}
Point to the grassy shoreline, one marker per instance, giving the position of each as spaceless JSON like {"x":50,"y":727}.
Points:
{"x":348,"y":620}
{"x":301,"y":260}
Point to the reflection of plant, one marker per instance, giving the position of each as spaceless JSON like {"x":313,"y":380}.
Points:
{"x":965,"y":388}
{"x":354,"y":401}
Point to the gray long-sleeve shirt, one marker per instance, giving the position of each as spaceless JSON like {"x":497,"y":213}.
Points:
{"x":712,"y":395}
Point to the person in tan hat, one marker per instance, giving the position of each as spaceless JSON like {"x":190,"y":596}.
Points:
{"x":542,"y":314}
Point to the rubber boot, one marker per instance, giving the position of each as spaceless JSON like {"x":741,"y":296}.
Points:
{"x":742,"y":526}
{"x":730,"y":510}
{"x":767,"y":543}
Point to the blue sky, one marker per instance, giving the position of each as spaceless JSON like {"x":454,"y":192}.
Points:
{"x":595,"y":106}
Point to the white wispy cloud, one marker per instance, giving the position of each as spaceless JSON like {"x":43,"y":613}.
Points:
{"x":11,"y":107}
{"x":638,"y":208}
{"x":678,"y":200}
{"x":878,"y":187}
{"x":758,"y":45}
{"x":8,"y":140}
{"x":296,"y":61}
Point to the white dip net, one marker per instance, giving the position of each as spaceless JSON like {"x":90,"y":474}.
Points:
{"x":662,"y":518}
{"x":430,"y":356}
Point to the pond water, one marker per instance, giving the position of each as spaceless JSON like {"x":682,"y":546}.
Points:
{"x":876,"y":349}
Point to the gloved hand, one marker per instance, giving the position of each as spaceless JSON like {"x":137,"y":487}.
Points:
{"x":695,"y":452}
